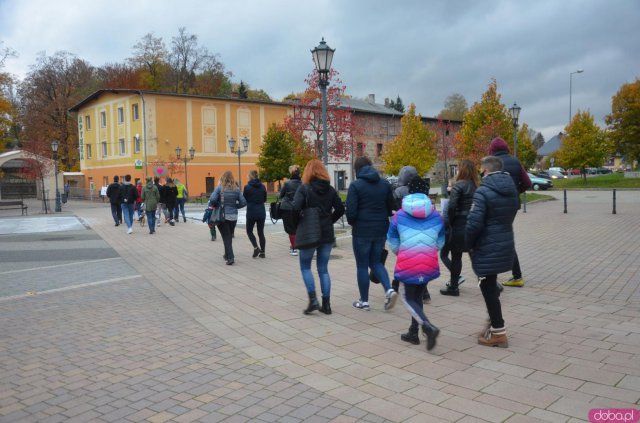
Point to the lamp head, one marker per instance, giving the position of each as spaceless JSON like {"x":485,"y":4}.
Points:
{"x":323,"y":56}
{"x":245,"y":143}
{"x":192,"y":152}
{"x":54,"y":146}
{"x":515,"y":112}
{"x":178,"y":152}
{"x":232,"y":144}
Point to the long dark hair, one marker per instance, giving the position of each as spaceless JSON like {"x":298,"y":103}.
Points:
{"x":467,"y":172}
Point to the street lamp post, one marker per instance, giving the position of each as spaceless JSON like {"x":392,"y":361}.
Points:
{"x":570,"y":84}
{"x":192,"y":153}
{"x":54,"y":149}
{"x":445,"y":184}
{"x":239,"y":151}
{"x":515,"y":113}
{"x":322,"y":57}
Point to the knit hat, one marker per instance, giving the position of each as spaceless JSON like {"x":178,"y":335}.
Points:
{"x":498,"y":144}
{"x":418,"y":185}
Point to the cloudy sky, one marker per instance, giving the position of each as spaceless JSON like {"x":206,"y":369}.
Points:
{"x":421,"y":50}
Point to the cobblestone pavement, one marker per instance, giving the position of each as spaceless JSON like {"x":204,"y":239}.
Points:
{"x":574,"y":332}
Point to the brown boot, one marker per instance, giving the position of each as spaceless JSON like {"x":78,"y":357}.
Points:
{"x":494,"y":338}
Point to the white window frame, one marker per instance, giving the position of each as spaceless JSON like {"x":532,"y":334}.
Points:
{"x":105,"y":149}
{"x":135,"y":111}
{"x":88,"y":150}
{"x":120,"y":112}
{"x":87,"y":123}
{"x":103,"y":119}
{"x":136,"y":144}
{"x":123,"y":148}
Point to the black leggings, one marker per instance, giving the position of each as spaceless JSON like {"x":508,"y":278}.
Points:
{"x":226,"y":230}
{"x":491,"y":294}
{"x":252,"y":238}
{"x":412,"y":298}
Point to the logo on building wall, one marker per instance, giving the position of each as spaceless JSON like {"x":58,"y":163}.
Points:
{"x":160,"y":171}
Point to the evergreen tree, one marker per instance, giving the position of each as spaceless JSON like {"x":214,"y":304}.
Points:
{"x":276,"y":154}
{"x":398,"y":105}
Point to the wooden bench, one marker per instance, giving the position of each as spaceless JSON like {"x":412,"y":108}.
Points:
{"x":203,"y":197}
{"x":13,"y":205}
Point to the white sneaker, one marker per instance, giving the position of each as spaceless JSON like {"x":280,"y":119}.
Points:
{"x":390,"y":299}
{"x":293,"y":252}
{"x":130,"y":230}
{"x":361,"y":305}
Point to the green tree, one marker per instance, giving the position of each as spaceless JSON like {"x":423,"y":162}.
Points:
{"x":527,"y":154}
{"x":585,"y":144}
{"x":538,"y":141}
{"x":9,"y":124}
{"x":398,"y":105}
{"x":415,"y":146}
{"x":276,"y":154}
{"x":455,"y":106}
{"x":624,"y":121}
{"x":486,"y":120}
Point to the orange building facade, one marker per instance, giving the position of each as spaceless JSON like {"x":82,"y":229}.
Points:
{"x":137,"y":132}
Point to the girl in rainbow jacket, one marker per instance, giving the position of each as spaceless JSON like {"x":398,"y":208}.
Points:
{"x":415,"y":235}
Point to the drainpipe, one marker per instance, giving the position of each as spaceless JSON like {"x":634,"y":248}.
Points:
{"x":144,"y":133}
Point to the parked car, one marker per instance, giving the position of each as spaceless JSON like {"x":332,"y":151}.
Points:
{"x":603,"y":171}
{"x":574,"y":172}
{"x":559,"y":169}
{"x":540,"y":183}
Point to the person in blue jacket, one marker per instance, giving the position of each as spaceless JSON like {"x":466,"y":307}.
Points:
{"x":256,"y":195}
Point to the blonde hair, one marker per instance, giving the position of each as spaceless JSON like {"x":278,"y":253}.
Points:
{"x":227,"y":182}
{"x":294,"y":170}
{"x":314,"y":170}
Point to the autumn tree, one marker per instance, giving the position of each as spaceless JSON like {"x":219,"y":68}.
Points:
{"x":276,"y":154}
{"x":527,"y":154}
{"x":455,"y":106}
{"x":484,"y":121}
{"x":55,"y":84}
{"x":150,"y":56}
{"x":415,"y":146}
{"x":624,"y":121}
{"x":537,"y":140}
{"x":585,"y":144}
{"x":9,"y":126}
{"x":305,"y":122}
{"x":121,"y":75}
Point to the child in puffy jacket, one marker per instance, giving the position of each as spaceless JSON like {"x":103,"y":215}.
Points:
{"x":415,"y":235}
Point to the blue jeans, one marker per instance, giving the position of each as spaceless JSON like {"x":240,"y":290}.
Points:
{"x":127,"y":213}
{"x":151,"y":220}
{"x":179,"y":208}
{"x":322,"y":258}
{"x":368,"y":252}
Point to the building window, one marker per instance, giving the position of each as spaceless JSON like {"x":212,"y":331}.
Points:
{"x":134,"y":112}
{"x":103,"y":119}
{"x":136,"y":144}
{"x":88,"y":151}
{"x":359,"y":149}
{"x":105,"y":181}
{"x":87,"y":123}
{"x":122,"y":148}
{"x":104,"y":149}
{"x":378,"y":150}
{"x":209,"y":130}
{"x":120,"y":115}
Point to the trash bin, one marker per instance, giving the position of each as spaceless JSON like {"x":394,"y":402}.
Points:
{"x":63,"y":197}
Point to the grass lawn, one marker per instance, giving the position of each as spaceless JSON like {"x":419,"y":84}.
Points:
{"x":612,"y":180}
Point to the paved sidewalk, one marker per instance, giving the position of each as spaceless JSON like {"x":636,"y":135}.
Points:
{"x":213,"y":341}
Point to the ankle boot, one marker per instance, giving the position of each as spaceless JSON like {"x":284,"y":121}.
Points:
{"x":313,"y":304}
{"x":451,"y":290}
{"x":395,"y":284}
{"x":411,"y":337}
{"x":494,"y":338}
{"x":326,"y":305}
{"x":432,"y":333}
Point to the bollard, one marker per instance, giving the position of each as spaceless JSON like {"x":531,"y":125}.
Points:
{"x":565,"y":201}
{"x":524,"y":198}
{"x":614,"y":201}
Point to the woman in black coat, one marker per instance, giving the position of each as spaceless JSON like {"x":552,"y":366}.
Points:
{"x":460,"y":201}
{"x":256,"y":195}
{"x":286,"y":206}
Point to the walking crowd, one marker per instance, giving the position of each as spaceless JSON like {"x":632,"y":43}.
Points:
{"x":477,"y":220}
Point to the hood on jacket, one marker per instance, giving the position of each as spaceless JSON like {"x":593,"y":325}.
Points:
{"x":500,"y":182}
{"x":255,"y":182}
{"x":406,"y":174}
{"x":149,"y":184}
{"x":369,"y":174}
{"x":320,"y":187}
{"x":498,"y":144}
{"x":417,"y":205}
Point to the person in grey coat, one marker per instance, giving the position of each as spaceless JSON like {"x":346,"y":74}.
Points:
{"x":228,"y":195}
{"x":489,"y":237}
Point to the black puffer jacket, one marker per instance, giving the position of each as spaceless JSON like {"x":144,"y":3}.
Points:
{"x":460,"y":202}
{"x":369,"y":204}
{"x":324,"y":196}
{"x":256,"y":195}
{"x":288,"y":191}
{"x":489,"y":230}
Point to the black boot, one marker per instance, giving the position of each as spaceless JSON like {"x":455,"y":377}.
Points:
{"x":432,"y":333}
{"x":395,"y":284}
{"x":451,"y":289}
{"x":313,"y":304}
{"x":411,"y":337}
{"x":326,"y":305}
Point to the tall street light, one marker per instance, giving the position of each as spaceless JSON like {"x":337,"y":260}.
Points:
{"x":239,"y":151}
{"x":445,"y":150}
{"x":322,"y":57}
{"x":54,"y":149}
{"x":192,"y":153}
{"x":570,"y":83}
{"x":515,"y":113}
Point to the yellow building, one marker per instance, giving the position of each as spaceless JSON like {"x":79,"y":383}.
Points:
{"x":124,"y":131}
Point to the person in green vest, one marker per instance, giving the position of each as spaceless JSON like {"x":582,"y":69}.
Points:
{"x":182,"y":198}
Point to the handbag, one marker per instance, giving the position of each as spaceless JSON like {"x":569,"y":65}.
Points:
{"x":217,"y":216}
{"x":372,"y":276}
{"x":308,"y":232}
{"x":274,"y":210}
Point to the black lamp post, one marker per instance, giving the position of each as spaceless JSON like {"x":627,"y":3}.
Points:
{"x":445,"y":150}
{"x":515,"y":113}
{"x":54,"y":149}
{"x":570,"y":83}
{"x":239,"y":152}
{"x":322,"y":57}
{"x":192,"y":153}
